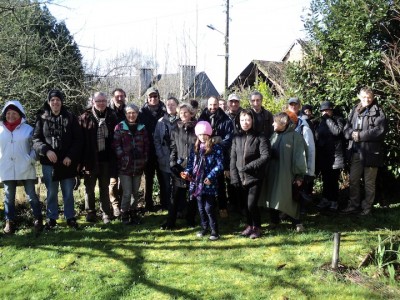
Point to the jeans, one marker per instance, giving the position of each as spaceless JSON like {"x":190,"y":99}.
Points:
{"x":10,"y":187}
{"x":356,"y":171}
{"x":103,"y":176}
{"x":130,"y":185}
{"x":208,"y":212}
{"x":67,"y":190}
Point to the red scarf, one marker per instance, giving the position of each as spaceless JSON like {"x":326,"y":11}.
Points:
{"x":12,"y":126}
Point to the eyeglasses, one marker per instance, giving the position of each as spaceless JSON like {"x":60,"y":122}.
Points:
{"x":100,"y":101}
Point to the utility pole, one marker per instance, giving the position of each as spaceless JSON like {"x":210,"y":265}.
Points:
{"x":227,"y":50}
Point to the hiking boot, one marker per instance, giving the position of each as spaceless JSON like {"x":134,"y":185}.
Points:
{"x":201,"y":233}
{"x":300,"y":228}
{"x":214,"y":236}
{"x":349,"y":210}
{"x":248,"y":230}
{"x":72,"y":223}
{"x":38,"y":225}
{"x":50,"y":224}
{"x":223,"y":213}
{"x":333,"y":207}
{"x":324,"y":203}
{"x":91,"y":217}
{"x":256,"y":233}
{"x":9,"y":228}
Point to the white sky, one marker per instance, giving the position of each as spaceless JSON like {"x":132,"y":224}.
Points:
{"x":175,"y":32}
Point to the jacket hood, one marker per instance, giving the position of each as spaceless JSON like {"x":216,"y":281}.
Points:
{"x":15,"y":103}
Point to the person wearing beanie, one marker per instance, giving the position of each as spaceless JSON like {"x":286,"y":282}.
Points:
{"x":285,"y":171}
{"x":149,"y":114}
{"x":204,"y":166}
{"x":57,"y":140}
{"x":222,"y":133}
{"x":98,"y":157}
{"x":17,"y":159}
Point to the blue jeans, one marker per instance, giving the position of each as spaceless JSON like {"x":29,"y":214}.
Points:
{"x":130,"y":185}
{"x":67,"y":190}
{"x":10,"y":187}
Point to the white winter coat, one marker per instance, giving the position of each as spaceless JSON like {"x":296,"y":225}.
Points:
{"x":17,"y":158}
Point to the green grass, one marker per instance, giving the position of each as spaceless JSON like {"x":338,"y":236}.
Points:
{"x":144,"y":262}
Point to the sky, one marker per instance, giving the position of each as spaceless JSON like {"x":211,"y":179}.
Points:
{"x":175,"y":32}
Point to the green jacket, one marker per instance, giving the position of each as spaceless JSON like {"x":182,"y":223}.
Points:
{"x":288,"y":161}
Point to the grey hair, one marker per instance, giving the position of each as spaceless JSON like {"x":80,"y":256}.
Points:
{"x":97,"y":94}
{"x":256,"y":93}
{"x":188,"y":107}
{"x":131,"y":106}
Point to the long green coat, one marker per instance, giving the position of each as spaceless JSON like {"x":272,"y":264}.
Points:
{"x":288,"y":161}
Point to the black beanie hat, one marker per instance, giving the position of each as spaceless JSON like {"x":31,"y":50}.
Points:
{"x":56,"y":93}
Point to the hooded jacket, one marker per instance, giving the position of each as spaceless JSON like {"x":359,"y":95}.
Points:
{"x":17,"y":157}
{"x":71,"y":140}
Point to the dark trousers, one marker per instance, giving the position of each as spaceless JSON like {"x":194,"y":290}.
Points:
{"x":234,"y":197}
{"x":151,"y":169}
{"x":207,"y":206}
{"x":251,"y":194}
{"x":180,"y":194}
{"x":330,"y":184}
{"x":166,"y":187}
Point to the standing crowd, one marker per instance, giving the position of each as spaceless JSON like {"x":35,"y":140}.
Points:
{"x":213,"y":162}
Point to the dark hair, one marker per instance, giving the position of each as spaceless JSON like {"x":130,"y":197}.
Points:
{"x":174,"y":99}
{"x":256,"y":93}
{"x":118,"y":90}
{"x":194,"y":103}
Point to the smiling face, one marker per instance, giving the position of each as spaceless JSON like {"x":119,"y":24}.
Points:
{"x":100,"y":102}
{"x":55,"y":105}
{"x":212,"y":105}
{"x":185,"y":115}
{"x":246,"y":122}
{"x":131,"y":115}
{"x":233,"y":106}
{"x":203,"y":137}
{"x":153,"y":99}
{"x":171,"y":107}
{"x":12,"y":116}
{"x":366,"y":98}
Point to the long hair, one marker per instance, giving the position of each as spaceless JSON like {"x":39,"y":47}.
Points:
{"x":209,"y":145}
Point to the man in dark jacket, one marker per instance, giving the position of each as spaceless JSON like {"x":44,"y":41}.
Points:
{"x":222,"y":134}
{"x":117,"y":104}
{"x":365,"y":129}
{"x":149,"y":114}
{"x":57,"y":139}
{"x":263,"y":118}
{"x":98,"y":159}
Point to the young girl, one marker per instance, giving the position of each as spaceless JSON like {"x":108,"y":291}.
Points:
{"x":249,"y":155}
{"x":204,"y":165}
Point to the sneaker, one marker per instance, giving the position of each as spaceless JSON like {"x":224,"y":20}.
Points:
{"x":248,"y":230}
{"x":256,"y":233}
{"x":333,"y":207}
{"x":324,"y":203}
{"x":38,"y":225}
{"x":91,"y":217}
{"x":71,"y":222}
{"x":202,"y":233}
{"x":116,"y":212}
{"x":223,"y":213}
{"x":50,"y":224}
{"x":349,"y":210}
{"x":9,"y":228}
{"x":300,"y":228}
{"x":214,"y":236}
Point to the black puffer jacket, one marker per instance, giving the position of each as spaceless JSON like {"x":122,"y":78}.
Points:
{"x":372,"y":130}
{"x":329,"y":143}
{"x":249,"y":155}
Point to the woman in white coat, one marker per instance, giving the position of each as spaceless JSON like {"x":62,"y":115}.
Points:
{"x":17,"y":160}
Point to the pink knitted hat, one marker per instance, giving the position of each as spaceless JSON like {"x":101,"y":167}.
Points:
{"x":203,"y":127}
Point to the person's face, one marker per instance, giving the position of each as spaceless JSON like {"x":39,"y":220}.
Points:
{"x":55,"y":105}
{"x":171,"y":107}
{"x":294,"y":107}
{"x":185,"y":115}
{"x":308,"y":112}
{"x":278,"y":127}
{"x":233,"y":106}
{"x":12,"y":116}
{"x":222,"y":104}
{"x":212,"y":105}
{"x":328,"y":112}
{"x":100,"y":103}
{"x":366,"y":99}
{"x":119,"y":98}
{"x":203,"y":137}
{"x":153,"y":99}
{"x":256,"y":102}
{"x":246,"y":122}
{"x":131,"y":115}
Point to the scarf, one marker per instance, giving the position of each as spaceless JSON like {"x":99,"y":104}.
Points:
{"x":13,"y":125}
{"x":198,"y":172}
{"x":102,"y":131}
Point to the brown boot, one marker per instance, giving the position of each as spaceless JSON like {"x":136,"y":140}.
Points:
{"x":9,"y":228}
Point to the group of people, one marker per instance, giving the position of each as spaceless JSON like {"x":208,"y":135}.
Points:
{"x":209,"y":159}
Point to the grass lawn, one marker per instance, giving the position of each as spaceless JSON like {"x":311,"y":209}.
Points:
{"x":143,"y":262}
